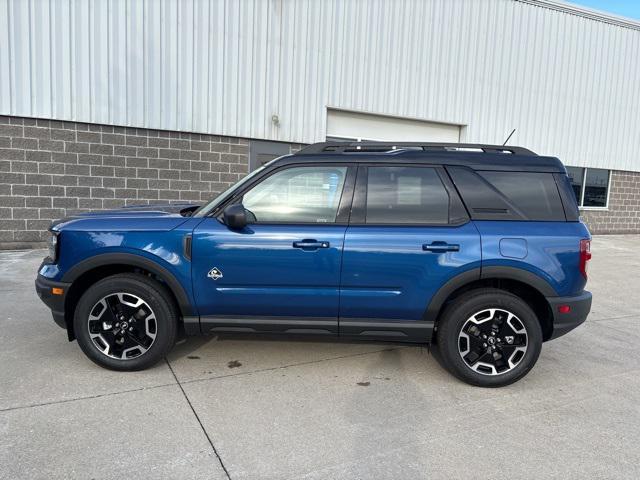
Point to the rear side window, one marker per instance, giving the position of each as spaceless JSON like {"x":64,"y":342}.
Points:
{"x":534,"y":194}
{"x":406,"y":195}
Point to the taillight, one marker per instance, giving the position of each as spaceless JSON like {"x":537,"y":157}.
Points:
{"x":585,"y":256}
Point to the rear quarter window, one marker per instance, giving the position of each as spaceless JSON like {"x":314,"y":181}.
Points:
{"x":534,"y":194}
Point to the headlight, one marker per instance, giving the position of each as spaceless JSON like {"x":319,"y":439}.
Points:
{"x":53,"y":245}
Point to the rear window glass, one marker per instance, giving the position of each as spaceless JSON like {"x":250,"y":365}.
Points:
{"x":406,"y":195}
{"x":534,"y":194}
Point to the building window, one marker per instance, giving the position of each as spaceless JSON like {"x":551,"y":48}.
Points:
{"x":590,"y":185}
{"x":596,"y":186}
{"x":576,"y":175}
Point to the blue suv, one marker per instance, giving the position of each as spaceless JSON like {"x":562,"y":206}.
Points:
{"x":475,"y":248}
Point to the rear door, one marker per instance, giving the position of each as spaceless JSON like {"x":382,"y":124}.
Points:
{"x":408,"y":235}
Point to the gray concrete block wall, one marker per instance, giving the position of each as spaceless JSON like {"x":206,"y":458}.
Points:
{"x":623,"y":213}
{"x":49,"y":169}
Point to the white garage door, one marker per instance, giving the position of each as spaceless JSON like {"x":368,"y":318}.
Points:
{"x":343,"y":124}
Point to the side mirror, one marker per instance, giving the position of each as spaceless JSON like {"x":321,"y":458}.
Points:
{"x":235,"y":216}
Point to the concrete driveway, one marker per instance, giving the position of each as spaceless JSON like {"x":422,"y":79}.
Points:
{"x":256,"y":408}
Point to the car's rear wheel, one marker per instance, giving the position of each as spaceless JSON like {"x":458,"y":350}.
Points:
{"x":126,"y":322}
{"x":489,"y":338}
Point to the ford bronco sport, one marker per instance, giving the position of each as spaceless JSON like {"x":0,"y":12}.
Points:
{"x":476,"y":248}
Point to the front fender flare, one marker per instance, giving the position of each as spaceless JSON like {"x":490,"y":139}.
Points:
{"x":184,"y":303}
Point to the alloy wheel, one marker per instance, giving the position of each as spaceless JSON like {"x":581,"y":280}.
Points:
{"x":122,"y":326}
{"x":492,"y":341}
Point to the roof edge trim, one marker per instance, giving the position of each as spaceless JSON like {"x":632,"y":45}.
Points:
{"x":585,"y":12}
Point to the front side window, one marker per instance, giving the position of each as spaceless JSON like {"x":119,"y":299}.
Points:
{"x":406,"y":195}
{"x":297,"y":195}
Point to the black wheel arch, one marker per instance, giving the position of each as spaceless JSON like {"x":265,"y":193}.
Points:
{"x":527,"y":285}
{"x":82,"y":275}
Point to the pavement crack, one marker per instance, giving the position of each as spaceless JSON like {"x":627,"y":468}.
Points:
{"x":88,"y":397}
{"x":614,"y":318}
{"x":204,"y":430}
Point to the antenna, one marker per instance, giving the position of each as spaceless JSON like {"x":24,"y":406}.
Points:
{"x":512,"y":132}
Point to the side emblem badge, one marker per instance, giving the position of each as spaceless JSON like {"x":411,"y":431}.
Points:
{"x":214,"y":273}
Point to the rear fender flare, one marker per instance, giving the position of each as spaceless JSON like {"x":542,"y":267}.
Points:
{"x":521,"y":275}
{"x":475,"y":274}
{"x":453,"y":284}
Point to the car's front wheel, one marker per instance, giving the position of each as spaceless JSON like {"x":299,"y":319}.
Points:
{"x":126,"y":322}
{"x":489,"y":338}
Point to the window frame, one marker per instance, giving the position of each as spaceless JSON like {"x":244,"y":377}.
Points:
{"x":344,"y":204}
{"x":456,"y":214}
{"x":583,"y":187}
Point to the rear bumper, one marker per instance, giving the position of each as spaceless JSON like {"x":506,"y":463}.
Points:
{"x":44,"y":288}
{"x":580,"y":306}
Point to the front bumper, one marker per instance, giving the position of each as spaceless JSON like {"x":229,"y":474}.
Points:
{"x":44,"y":289}
{"x":579,"y":305}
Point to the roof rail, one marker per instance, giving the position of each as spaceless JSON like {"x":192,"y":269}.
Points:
{"x":367,"y":147}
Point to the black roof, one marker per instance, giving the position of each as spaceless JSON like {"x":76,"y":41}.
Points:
{"x":476,"y":156}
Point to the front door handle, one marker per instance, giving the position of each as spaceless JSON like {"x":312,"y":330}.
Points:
{"x":309,"y":244}
{"x":439,"y":247}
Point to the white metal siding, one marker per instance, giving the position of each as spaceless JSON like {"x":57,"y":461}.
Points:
{"x":566,"y":82}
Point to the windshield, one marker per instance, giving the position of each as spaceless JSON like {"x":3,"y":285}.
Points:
{"x":205,"y":209}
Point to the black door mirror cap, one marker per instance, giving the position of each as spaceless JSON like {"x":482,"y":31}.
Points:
{"x":235,"y":216}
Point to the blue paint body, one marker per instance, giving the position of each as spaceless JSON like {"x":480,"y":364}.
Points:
{"x":553,"y":250}
{"x":398,"y":244}
{"x":148,"y":233}
{"x":386,"y":274}
{"x":263,"y":274}
{"x":362,"y":274}
{"x":367,"y":273}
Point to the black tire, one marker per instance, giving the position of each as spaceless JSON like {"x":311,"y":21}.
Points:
{"x":164,"y":320}
{"x":457,"y":315}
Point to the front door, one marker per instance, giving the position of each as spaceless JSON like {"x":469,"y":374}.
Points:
{"x":409,"y":234}
{"x":281,"y":273}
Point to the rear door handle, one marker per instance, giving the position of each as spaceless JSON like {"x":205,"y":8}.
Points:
{"x":308,"y":244}
{"x":439,"y":247}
